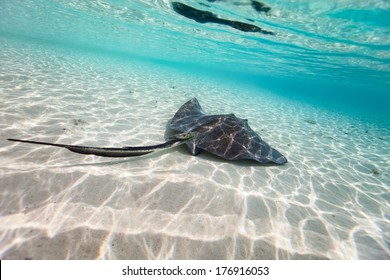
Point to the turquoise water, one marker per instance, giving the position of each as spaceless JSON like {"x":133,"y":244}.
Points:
{"x":312,"y":77}
{"x":332,"y":53}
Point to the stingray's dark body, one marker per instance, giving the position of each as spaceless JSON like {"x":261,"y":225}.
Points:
{"x":223,"y":135}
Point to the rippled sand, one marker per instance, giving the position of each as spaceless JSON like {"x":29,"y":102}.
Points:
{"x":330,"y":201}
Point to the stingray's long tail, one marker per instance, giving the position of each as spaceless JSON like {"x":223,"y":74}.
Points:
{"x":174,"y":141}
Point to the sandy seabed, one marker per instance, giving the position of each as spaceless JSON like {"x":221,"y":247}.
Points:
{"x":330,"y":201}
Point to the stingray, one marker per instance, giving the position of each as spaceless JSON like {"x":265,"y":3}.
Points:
{"x":226,"y":136}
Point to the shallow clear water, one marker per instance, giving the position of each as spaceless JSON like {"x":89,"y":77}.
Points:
{"x":334,"y":53}
{"x":112,"y":73}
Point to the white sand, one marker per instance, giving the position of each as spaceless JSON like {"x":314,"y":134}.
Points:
{"x":330,"y":201}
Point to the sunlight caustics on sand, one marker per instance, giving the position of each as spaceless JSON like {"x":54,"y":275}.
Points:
{"x":330,"y":201}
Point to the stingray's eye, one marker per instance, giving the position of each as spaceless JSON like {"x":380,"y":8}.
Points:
{"x":189,"y":135}
{"x":183,"y":136}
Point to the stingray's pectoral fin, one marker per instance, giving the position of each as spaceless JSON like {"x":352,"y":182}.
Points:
{"x":277,"y":157}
